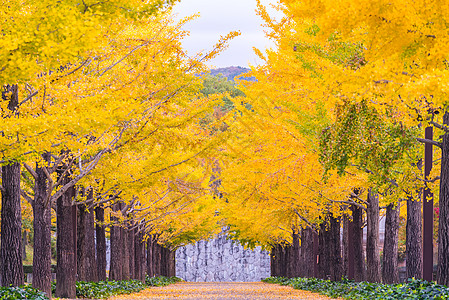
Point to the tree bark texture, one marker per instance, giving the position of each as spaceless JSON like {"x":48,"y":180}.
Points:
{"x":307,"y":255}
{"x":329,"y":262}
{"x":131,"y":250}
{"x":139,"y":257}
{"x":345,"y":246}
{"x":278,"y":261}
{"x":390,"y":272}
{"x":125,"y":254}
{"x":42,"y":232}
{"x":100,"y":243}
{"x":372,"y":239}
{"x":87,"y":263}
{"x":156,"y":258}
{"x":443,"y":227}
{"x":413,"y":242}
{"x":11,"y":227}
{"x":294,"y":257}
{"x":171,"y":263}
{"x":323,"y":252}
{"x":357,"y":238}
{"x":65,"y":245}
{"x":115,"y":272}
{"x":150,"y":267}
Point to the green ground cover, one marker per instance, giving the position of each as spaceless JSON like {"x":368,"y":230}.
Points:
{"x":347,"y":289}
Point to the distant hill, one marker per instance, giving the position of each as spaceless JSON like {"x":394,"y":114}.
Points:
{"x":231,"y":72}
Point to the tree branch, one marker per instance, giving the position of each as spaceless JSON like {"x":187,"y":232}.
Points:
{"x":30,"y":169}
{"x":426,"y":141}
{"x":27,"y":197}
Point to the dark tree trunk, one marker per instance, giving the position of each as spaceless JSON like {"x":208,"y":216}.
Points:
{"x":329,"y":262}
{"x":65,"y":246}
{"x":273,"y":262}
{"x":164,"y":261}
{"x":87,"y":265}
{"x":150,"y":264}
{"x":345,"y":246}
{"x":11,"y":227}
{"x":115,"y":272}
{"x":443,"y":227}
{"x":42,"y":233}
{"x":390,"y":273}
{"x":335,"y":260}
{"x":24,"y":244}
{"x":156,"y":258}
{"x":357,"y":238}
{"x":171,"y":263}
{"x":413,"y":241}
{"x":372,"y":239}
{"x":100,"y":243}
{"x":307,"y":255}
{"x":278,"y":262}
{"x":131,"y":250}
{"x":125,"y":254}
{"x":80,"y":244}
{"x":294,"y":257}
{"x":323,"y":252}
{"x":139,"y":257}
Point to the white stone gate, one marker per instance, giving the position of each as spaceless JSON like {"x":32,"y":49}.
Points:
{"x":222,"y":260}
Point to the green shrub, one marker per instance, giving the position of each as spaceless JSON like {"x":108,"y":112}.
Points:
{"x":413,"y":289}
{"x":161,"y":281}
{"x":22,"y":292}
{"x":106,"y":289}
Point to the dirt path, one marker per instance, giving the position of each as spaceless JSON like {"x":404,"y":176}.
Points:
{"x":223,"y":291}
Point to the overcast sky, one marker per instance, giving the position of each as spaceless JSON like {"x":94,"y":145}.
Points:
{"x":219,"y":17}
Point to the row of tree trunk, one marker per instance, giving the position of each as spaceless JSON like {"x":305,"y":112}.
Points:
{"x":132,"y":257}
{"x":323,"y":252}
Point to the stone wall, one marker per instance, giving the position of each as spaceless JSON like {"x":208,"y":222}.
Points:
{"x":222,"y":260}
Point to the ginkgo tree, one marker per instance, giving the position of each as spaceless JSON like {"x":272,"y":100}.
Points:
{"x":318,"y":86}
{"x":404,"y":70}
{"x":96,"y":100}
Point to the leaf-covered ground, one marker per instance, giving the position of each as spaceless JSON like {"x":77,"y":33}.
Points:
{"x":223,"y":291}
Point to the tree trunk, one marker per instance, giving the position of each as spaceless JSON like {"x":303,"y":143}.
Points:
{"x":294,"y":259}
{"x":11,"y":227}
{"x":87,"y":265}
{"x":42,"y":232}
{"x":390,"y":273}
{"x":443,"y":227}
{"x":323,"y":252}
{"x":150,"y":264}
{"x":80,"y":244}
{"x":65,"y":246}
{"x":164,"y":261}
{"x":156,"y":258}
{"x":273,"y":262}
{"x":329,"y":262}
{"x":171,"y":263}
{"x":139,"y":256}
{"x":125,"y":254}
{"x":307,"y":254}
{"x":115,"y":272}
{"x":413,"y":241}
{"x":131,"y":250}
{"x":24,"y":244}
{"x":335,"y":260}
{"x":372,"y":239}
{"x":357,"y":238}
{"x":345,"y":246}
{"x":100,"y":243}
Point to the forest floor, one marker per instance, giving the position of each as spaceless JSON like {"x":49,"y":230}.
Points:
{"x":223,"y":291}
